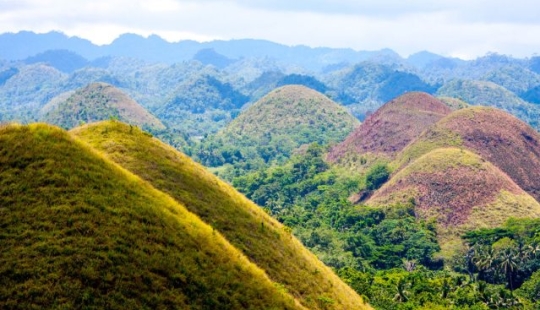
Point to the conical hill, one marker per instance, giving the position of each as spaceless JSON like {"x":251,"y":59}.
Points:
{"x":500,"y":138}
{"x":460,"y":190}
{"x":262,"y":239}
{"x":387,"y":131}
{"x":79,"y":231}
{"x":96,"y":102}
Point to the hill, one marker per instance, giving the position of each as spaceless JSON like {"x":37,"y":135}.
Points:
{"x":460,"y":190}
{"x":262,"y":239}
{"x":95,"y":102}
{"x":79,"y":231}
{"x":390,"y":128}
{"x":505,"y":141}
{"x":279,"y":123}
{"x":491,"y":94}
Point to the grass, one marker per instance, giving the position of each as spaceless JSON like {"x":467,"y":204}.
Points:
{"x":262,"y":239}
{"x":459,"y":189}
{"x":96,"y":102}
{"x":79,"y":231}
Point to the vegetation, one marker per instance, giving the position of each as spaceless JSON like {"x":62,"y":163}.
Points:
{"x":96,"y":102}
{"x":259,"y":237}
{"x":274,"y":127}
{"x":79,"y":231}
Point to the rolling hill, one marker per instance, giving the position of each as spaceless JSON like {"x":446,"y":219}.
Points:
{"x":460,"y":190}
{"x":96,"y":102}
{"x":262,"y":239}
{"x":79,"y":231}
{"x":279,"y":123}
{"x":389,"y":129}
{"x":491,"y":94}
{"x":500,"y":138}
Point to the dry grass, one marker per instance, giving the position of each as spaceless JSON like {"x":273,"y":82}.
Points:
{"x":262,"y":239}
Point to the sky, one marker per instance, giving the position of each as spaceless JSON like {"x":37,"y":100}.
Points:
{"x":458,"y":28}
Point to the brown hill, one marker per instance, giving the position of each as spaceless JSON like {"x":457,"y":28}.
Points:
{"x":96,"y":102}
{"x":391,"y":127}
{"x":500,"y":138}
{"x":458,"y":188}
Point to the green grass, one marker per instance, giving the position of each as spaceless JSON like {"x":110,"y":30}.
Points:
{"x":79,"y":231}
{"x":262,"y":239}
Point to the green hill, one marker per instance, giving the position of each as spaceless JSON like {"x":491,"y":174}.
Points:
{"x":79,"y":231}
{"x":96,"y":102}
{"x":263,"y":240}
{"x":505,"y":141}
{"x":460,"y":190}
{"x":277,"y":124}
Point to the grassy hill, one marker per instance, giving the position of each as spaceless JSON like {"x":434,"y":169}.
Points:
{"x":277,"y":124}
{"x":79,"y":231}
{"x":505,"y":141}
{"x":460,"y":190}
{"x":263,"y":240}
{"x":389,"y":129}
{"x":491,"y":94}
{"x":96,"y":102}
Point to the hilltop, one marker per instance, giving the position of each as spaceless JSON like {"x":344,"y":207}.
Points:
{"x":96,"y":102}
{"x":493,"y":95}
{"x":390,"y":128}
{"x":80,"y":231}
{"x":505,"y":141}
{"x":460,"y":190}
{"x":279,"y":123}
{"x":259,"y":237}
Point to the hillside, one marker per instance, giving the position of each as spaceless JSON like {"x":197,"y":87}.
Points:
{"x":263,"y":240}
{"x":460,"y":190}
{"x":491,"y":94}
{"x":96,"y":102}
{"x":279,"y":123}
{"x":390,"y":128}
{"x":78,"y":231}
{"x":505,"y":141}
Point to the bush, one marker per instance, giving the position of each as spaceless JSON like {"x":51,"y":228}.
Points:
{"x":376,"y":176}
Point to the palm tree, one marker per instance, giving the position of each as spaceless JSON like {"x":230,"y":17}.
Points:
{"x":508,"y":263}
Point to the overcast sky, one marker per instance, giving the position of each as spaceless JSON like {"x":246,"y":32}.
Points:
{"x":462,"y":28}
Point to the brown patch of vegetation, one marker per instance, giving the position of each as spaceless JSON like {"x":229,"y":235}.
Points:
{"x":393,"y":126}
{"x":505,"y":141}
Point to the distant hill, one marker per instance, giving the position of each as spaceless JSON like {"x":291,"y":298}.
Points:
{"x":277,"y":124}
{"x":491,"y":94}
{"x":18,"y":46}
{"x":198,"y":98}
{"x":505,"y":141}
{"x":96,"y":102}
{"x":80,"y":231}
{"x":259,"y":237}
{"x":366,"y":86}
{"x":209,"y":56}
{"x":387,"y":131}
{"x":27,"y":90}
{"x":460,"y":190}
{"x":63,"y":60}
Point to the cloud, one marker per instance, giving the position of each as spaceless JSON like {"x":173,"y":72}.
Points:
{"x":459,"y":27}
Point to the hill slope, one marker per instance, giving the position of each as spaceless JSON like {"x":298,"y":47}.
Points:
{"x":490,"y":94}
{"x":391,"y":128}
{"x":262,"y":239}
{"x":96,"y":102}
{"x":505,"y":141}
{"x":283,"y":120}
{"x":80,"y":231}
{"x":460,"y":190}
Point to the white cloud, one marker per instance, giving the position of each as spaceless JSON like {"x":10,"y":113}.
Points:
{"x":459,"y":27}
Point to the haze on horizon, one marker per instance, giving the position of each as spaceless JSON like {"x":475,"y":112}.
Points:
{"x":457,"y":28}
